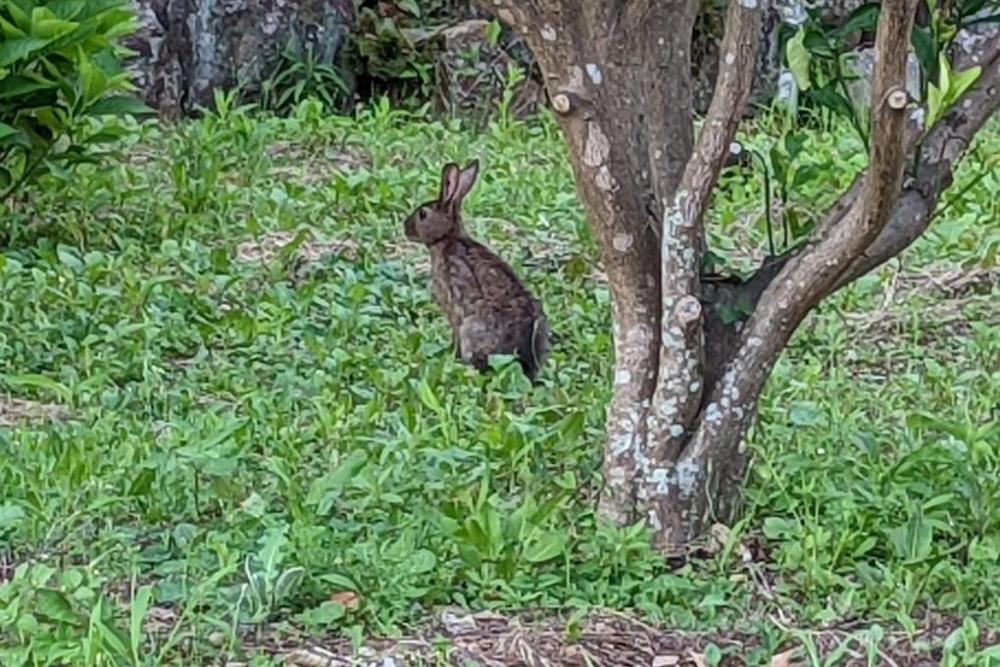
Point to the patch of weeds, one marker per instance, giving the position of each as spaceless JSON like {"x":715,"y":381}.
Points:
{"x":216,"y":401}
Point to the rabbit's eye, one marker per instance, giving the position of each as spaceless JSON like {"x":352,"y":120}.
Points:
{"x":422,"y":214}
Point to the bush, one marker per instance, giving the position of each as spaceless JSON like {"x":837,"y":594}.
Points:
{"x":61,"y":79}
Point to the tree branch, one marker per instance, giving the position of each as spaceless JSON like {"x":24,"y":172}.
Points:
{"x":680,"y":383}
{"x":807,"y":277}
{"x":940,"y":152}
{"x":941,"y":149}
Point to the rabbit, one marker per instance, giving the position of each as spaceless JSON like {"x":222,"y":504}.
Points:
{"x":490,"y":311}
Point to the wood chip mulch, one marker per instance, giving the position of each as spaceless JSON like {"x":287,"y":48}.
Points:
{"x":611,"y":639}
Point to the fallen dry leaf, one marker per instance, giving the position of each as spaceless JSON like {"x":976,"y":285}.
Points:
{"x":698,"y":659}
{"x":784,"y":659}
{"x":346,"y":599}
{"x":666,"y":661}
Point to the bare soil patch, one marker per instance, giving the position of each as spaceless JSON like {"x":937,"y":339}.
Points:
{"x":19,"y":412}
{"x":310,"y":166}
{"x":313,"y":249}
{"x":953,"y":289}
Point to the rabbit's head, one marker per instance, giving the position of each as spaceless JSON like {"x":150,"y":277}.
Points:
{"x":437,"y":220}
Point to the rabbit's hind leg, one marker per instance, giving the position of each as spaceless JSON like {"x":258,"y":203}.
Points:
{"x":475,"y":341}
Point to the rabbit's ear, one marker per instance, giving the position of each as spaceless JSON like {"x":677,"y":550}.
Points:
{"x":466,"y":179}
{"x":449,"y":184}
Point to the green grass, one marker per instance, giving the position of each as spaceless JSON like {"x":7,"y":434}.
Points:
{"x":312,"y":419}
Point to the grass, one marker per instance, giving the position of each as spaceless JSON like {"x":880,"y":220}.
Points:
{"x":243,"y":437}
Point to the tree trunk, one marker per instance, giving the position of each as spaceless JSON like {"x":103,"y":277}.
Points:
{"x":687,"y":382}
{"x":618,"y":77}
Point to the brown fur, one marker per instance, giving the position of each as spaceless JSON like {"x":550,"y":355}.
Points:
{"x":490,"y":311}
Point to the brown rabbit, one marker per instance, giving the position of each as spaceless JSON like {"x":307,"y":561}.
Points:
{"x":489,"y":310}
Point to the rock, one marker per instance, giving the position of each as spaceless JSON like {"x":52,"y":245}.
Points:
{"x":863,"y":63}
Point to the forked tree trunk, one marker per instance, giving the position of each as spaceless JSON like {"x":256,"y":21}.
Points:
{"x":687,"y":384}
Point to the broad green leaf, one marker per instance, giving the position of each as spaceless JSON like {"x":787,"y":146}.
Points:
{"x":53,"y":118}
{"x":15,"y":49}
{"x":137,"y":617}
{"x":46,"y":25}
{"x":422,"y":562}
{"x":427,"y":396}
{"x":118,"y":23}
{"x":69,"y":257}
{"x":55,"y":606}
{"x":10,"y":516}
{"x":934,"y":104}
{"x":118,"y":105}
{"x":7,"y":130}
{"x":53,"y":28}
{"x":944,"y":73}
{"x":67,"y":9}
{"x":832,"y":99}
{"x":288,"y":582}
{"x":94,"y":8}
{"x":9,"y":30}
{"x":93,"y":80}
{"x":21,"y":15}
{"x":410,"y":6}
{"x":964,"y":80}
{"x":862,"y":19}
{"x":142,"y":482}
{"x":16,"y":86}
{"x":818,"y":45}
{"x":923,"y":46}
{"x":799,"y":59}
{"x":38,"y":381}
{"x":546,"y":547}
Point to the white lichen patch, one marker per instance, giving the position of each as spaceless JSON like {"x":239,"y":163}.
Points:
{"x":659,"y":480}
{"x":595,"y":151}
{"x":594,"y":72}
{"x":676,"y":430}
{"x":548,"y":33}
{"x":575,"y":78}
{"x":623,"y":376}
{"x":688,"y":477}
{"x":605,"y":181}
{"x":730,"y":57}
{"x":748,"y":4}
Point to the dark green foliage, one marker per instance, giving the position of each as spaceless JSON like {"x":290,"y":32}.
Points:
{"x":60,"y":82}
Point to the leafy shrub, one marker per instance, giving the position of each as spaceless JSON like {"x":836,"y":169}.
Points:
{"x":60,"y":79}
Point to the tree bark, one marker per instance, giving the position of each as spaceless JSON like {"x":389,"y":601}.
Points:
{"x":187,"y":49}
{"x":687,"y":382}
{"x":618,"y":76}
